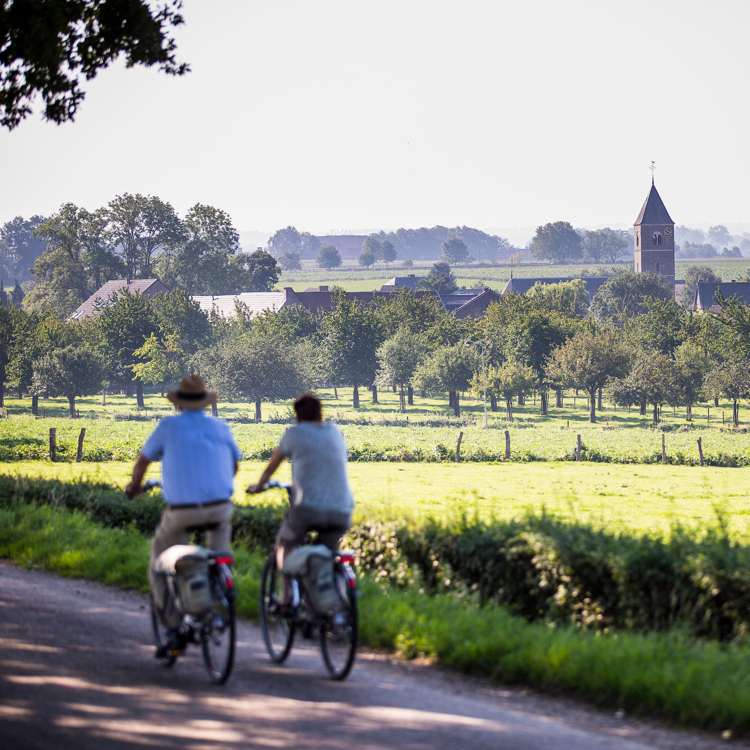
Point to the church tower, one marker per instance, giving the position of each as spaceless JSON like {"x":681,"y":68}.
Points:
{"x":654,"y":238}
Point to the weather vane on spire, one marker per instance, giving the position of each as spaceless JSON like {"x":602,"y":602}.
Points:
{"x":653,"y":169}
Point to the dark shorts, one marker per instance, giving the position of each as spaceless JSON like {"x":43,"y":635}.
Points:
{"x":331,"y":525}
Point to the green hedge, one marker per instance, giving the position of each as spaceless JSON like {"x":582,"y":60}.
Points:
{"x":542,"y":568}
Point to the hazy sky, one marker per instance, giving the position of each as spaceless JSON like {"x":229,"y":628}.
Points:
{"x":336,"y":115}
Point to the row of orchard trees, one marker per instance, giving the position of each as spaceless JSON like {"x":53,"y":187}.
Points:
{"x":649,"y":351}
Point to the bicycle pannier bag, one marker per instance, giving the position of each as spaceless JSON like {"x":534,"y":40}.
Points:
{"x":314,"y":565}
{"x":188,"y":564}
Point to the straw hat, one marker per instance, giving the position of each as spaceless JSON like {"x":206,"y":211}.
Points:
{"x":192,"y":394}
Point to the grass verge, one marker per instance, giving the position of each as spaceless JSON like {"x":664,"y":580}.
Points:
{"x":670,"y":675}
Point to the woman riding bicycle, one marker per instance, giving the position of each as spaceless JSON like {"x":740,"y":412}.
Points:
{"x":321,"y":497}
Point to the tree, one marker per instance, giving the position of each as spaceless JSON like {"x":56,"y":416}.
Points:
{"x":448,"y":368}
{"x":692,"y":364}
{"x":259,"y":271}
{"x":290,"y":240}
{"x":201,"y":262}
{"x":6,"y":339}
{"x":290,"y":260}
{"x":398,"y":358}
{"x":440,"y":279}
{"x":589,"y":360}
{"x":663,"y":328}
{"x":372,"y":245}
{"x":124,"y":323}
{"x":70,"y":372}
{"x":141,"y":226}
{"x":570,"y":298}
{"x":19,"y":247}
{"x":731,"y":380}
{"x":257,"y":369}
{"x":17,"y":295}
{"x":718,"y":236}
{"x":178,"y":315}
{"x":624,"y":295}
{"x":605,"y":245}
{"x":694,"y":274}
{"x":387,"y":252}
{"x":731,"y":252}
{"x":159,"y":362}
{"x":350,"y":337}
{"x":328,"y":257}
{"x":557,"y":242}
{"x":735,"y":319}
{"x":511,"y":380}
{"x":76,"y":261}
{"x":47,"y":48}
{"x":655,"y":378}
{"x":366,"y":258}
{"x":454,"y":251}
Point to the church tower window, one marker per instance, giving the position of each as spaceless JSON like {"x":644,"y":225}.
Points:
{"x":657,"y":239}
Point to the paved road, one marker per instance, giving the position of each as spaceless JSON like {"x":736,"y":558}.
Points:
{"x":77,"y":671}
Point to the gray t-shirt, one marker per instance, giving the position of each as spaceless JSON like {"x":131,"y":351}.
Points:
{"x":318,"y":454}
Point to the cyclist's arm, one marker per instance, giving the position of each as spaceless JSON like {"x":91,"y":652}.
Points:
{"x":139,"y":470}
{"x":268,"y":472}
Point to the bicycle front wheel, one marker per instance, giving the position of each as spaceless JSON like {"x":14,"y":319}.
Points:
{"x":219,"y":635}
{"x":339,"y":632}
{"x":278,"y":630}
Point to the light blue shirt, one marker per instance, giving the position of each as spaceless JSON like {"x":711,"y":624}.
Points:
{"x":198,"y":454}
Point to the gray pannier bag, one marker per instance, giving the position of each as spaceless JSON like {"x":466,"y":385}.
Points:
{"x":185,"y":568}
{"x":313,"y":563}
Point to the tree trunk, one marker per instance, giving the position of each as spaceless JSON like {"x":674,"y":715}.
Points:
{"x":2,"y":395}
{"x":72,"y":405}
{"x":509,"y":410}
{"x":559,"y":398}
{"x":402,"y":401}
{"x":104,"y":396}
{"x":394,"y":389}
{"x":543,"y":398}
{"x":410,"y":396}
{"x":493,"y":403}
{"x":599,"y":401}
{"x":456,"y":409}
{"x":139,"y":392}
{"x":422,"y":394}
{"x":656,"y":414}
{"x":736,"y":414}
{"x":521,"y":401}
{"x":689,"y":413}
{"x":642,"y":411}
{"x":335,"y":393}
{"x":129,"y":389}
{"x":592,"y":406}
{"x":716,"y":402}
{"x":214,"y":409}
{"x":35,"y":405}
{"x":355,"y":397}
{"x":374,"y":394}
{"x":257,"y":410}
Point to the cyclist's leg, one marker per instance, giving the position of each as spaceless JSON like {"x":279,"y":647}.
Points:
{"x":171,"y":530}
{"x":220,"y":538}
{"x":291,"y":534}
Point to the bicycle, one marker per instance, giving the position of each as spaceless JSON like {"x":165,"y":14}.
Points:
{"x":212,"y":624}
{"x":338,"y":626}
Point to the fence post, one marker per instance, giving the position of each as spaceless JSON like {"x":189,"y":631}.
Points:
{"x":708,"y":414}
{"x":578,"y":448}
{"x":458,"y":446}
{"x":507,"y":445}
{"x":79,"y":455}
{"x":700,"y":451}
{"x":663,"y":450}
{"x":52,"y":443}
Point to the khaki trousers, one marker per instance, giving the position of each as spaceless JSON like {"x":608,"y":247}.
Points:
{"x":173,"y":529}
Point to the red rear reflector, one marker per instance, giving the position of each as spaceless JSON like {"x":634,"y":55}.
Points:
{"x":230,"y":583}
{"x":348,"y":559}
{"x":224,"y":560}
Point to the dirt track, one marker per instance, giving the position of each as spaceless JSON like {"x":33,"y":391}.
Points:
{"x":77,"y":671}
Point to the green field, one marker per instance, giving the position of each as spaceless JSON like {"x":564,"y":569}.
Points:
{"x":632,"y":499}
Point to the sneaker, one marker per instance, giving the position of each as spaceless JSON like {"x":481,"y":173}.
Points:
{"x":279,"y":609}
{"x":172,"y":643}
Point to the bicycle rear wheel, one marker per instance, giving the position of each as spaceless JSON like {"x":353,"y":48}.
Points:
{"x":339,"y":632}
{"x":161,"y":637}
{"x":218,"y":634}
{"x":278,"y":630}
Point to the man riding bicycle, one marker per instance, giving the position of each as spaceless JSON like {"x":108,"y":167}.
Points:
{"x":200,"y":458}
{"x":321,"y":498}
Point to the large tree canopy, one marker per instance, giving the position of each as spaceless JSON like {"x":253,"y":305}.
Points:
{"x":48,"y":46}
{"x":557,"y":242}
